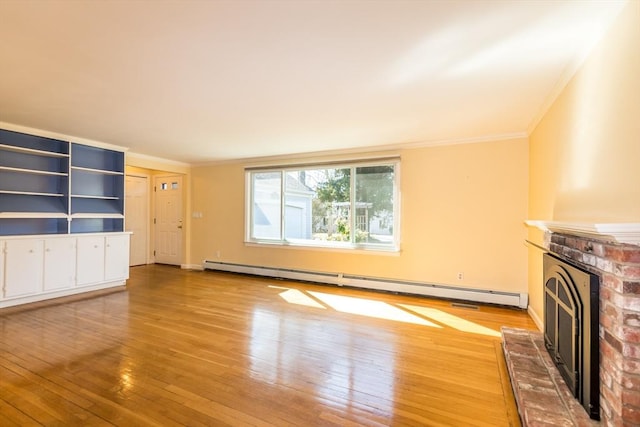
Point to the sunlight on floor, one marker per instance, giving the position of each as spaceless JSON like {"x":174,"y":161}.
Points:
{"x":295,"y":296}
{"x":406,"y":313}
{"x":370,"y":308}
{"x":452,"y":321}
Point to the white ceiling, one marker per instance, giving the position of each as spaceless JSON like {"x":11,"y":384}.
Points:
{"x":200,"y":81}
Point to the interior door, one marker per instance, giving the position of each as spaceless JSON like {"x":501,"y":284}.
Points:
{"x":168,"y":219}
{"x":137,"y":217}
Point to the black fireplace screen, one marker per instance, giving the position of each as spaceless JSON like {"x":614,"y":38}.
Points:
{"x":571,"y":328}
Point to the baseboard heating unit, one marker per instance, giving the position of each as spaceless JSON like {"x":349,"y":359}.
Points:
{"x":427,"y":289}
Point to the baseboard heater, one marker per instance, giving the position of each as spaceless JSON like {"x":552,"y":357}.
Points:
{"x":427,"y":289}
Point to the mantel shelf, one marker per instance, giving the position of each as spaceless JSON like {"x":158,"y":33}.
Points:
{"x":622,"y":232}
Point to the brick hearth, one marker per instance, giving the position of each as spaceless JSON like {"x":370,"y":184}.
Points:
{"x":542,"y":396}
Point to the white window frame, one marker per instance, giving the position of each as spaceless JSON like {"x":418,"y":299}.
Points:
{"x":325,"y":244}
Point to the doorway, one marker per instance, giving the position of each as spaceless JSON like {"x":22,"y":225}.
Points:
{"x":168,"y":219}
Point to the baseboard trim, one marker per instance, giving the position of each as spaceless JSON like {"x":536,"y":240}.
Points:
{"x":65,"y":295}
{"x":514,"y":299}
{"x":198,"y":267}
{"x":536,"y":319}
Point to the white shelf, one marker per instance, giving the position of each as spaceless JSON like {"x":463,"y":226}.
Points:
{"x":96,"y":215}
{"x":32,"y":215}
{"x":32,"y":171}
{"x":622,"y":232}
{"x":81,"y":196}
{"x":97,"y":171}
{"x":17,"y":149}
{"x":31,"y":193}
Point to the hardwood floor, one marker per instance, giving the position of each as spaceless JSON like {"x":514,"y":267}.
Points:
{"x":207,"y":349}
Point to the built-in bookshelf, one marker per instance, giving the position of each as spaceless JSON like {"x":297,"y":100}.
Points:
{"x":50,"y":186}
{"x":97,"y":189}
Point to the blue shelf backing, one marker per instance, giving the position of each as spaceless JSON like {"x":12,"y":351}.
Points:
{"x":97,"y":158}
{"x":33,"y":142}
{"x":94,"y":184}
{"x":100,"y":206}
{"x":21,"y":226}
{"x":29,"y":203}
{"x":96,"y":225}
{"x":33,"y":183}
{"x":14,"y":159}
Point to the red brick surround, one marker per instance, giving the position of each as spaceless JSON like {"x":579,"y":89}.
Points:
{"x":618,"y":266}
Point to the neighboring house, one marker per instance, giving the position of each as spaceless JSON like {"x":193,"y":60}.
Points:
{"x":297,"y":208}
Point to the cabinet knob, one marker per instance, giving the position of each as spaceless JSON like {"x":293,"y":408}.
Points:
{"x":30,"y":251}
{"x":95,"y":246}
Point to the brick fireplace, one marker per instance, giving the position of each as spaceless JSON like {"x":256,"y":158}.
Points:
{"x":616,"y":261}
{"x":618,"y":266}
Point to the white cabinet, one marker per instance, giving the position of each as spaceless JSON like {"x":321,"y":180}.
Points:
{"x":1,"y":269}
{"x":23,"y":264}
{"x":35,"y":268}
{"x":116,"y":261}
{"x":90,"y":267}
{"x":59,"y":264}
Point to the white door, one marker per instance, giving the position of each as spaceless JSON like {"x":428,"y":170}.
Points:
{"x":137,"y":217}
{"x":168,"y":221}
{"x":116,"y":257}
{"x":90,"y":261}
{"x":59,"y":263}
{"x":24,"y":265}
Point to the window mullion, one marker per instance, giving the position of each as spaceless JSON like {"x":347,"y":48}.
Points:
{"x":283,"y":186}
{"x":352,"y":198}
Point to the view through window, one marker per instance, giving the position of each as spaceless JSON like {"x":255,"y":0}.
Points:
{"x":336,"y":205}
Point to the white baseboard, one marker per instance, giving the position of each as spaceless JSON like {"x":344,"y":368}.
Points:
{"x":61,"y":293}
{"x":536,"y":319}
{"x":427,"y":289}
{"x":192,"y":267}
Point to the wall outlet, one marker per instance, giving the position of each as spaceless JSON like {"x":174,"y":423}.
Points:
{"x":218,"y":254}
{"x":460,"y":276}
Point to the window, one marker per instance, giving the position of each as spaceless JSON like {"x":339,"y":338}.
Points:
{"x":332,"y":205}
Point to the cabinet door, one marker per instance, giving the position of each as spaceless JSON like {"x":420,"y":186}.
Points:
{"x":117,"y":258}
{"x":59,"y":263}
{"x":90,"y":260}
{"x":23,"y":267}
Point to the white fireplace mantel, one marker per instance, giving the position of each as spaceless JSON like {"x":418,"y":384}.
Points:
{"x":622,"y":232}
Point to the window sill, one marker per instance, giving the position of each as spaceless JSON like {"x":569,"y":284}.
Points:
{"x":347,"y":248}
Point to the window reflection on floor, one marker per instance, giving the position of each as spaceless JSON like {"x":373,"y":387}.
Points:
{"x":285,"y":349}
{"x":359,"y":363}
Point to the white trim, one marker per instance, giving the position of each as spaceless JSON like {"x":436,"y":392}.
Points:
{"x":346,"y":154}
{"x":623,"y":232}
{"x":134,"y":155}
{"x":534,"y":316}
{"x":197,"y":267}
{"x":43,"y":296}
{"x":489,"y":296}
{"x":61,"y":136}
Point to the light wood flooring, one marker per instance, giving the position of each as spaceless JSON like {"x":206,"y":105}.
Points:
{"x":212,"y":349}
